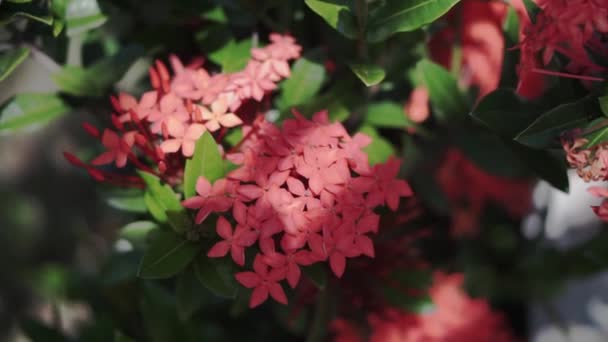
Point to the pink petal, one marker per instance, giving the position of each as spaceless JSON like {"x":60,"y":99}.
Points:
{"x":230,"y":120}
{"x":250,"y":191}
{"x":121,"y":159}
{"x":366,"y":245}
{"x":104,"y":158}
{"x":223,"y":228}
{"x":195,"y":131}
{"x":202,"y":214}
{"x":175,"y":128}
{"x":148,"y":99}
{"x":127,"y":101}
{"x":248,"y":279}
{"x":293,"y":275}
{"x":316,"y":183}
{"x":212,"y":125}
{"x":171,"y":145}
{"x":258,"y":296}
{"x":238,"y":255}
{"x":239,"y":211}
{"x":295,"y":186}
{"x":193,"y":202}
{"x":276,"y":292}
{"x":219,"y":106}
{"x":219,"y":250}
{"x":188,"y":148}
{"x":203,"y":187}
{"x":337,"y":262}
{"x":247,"y":238}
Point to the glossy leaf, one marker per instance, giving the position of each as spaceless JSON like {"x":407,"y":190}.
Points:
{"x":217,"y":275}
{"x":447,"y":99}
{"x":167,"y":255}
{"x":36,"y":11}
{"x":387,"y":114}
{"x":10,"y":60}
{"x":233,"y":56}
{"x":369,"y":74}
{"x":404,"y":16}
{"x":604,"y":104}
{"x":206,"y":161}
{"x":545,"y":130}
{"x":306,"y":79}
{"x":380,"y":149}
{"x":161,"y":197}
{"x":338,"y":14}
{"x":505,"y":113}
{"x":30,"y":109}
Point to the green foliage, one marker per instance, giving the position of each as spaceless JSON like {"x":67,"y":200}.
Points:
{"x":306,"y":79}
{"x":387,"y":114}
{"x":369,"y":74}
{"x":206,"y":162}
{"x":28,"y":110}
{"x":380,"y":149}
{"x":167,"y":255}
{"x":217,"y":275}
{"x":164,"y":204}
{"x":447,"y":99}
{"x":233,"y":56}
{"x":10,"y":60}
{"x":338,"y":14}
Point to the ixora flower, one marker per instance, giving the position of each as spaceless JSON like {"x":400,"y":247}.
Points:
{"x":456,"y":317}
{"x":316,"y":208}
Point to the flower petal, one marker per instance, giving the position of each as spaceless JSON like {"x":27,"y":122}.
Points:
{"x":219,"y":250}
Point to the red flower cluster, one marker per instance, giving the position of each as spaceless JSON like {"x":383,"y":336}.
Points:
{"x":455,"y":318}
{"x":309,"y":188}
{"x":181,"y":108}
{"x":573,"y":28}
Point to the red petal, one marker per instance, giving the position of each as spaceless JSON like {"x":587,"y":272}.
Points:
{"x":223,"y":228}
{"x":337,"y":262}
{"x":219,"y":250}
{"x":276,"y":291}
{"x":248,"y":279}
{"x":238,"y":255}
{"x":293,"y":275}
{"x":258,"y":296}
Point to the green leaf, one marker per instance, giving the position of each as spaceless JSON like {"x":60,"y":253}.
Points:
{"x":206,"y":162}
{"x":233,"y":56}
{"x":597,"y":137}
{"x":369,"y":74}
{"x":155,"y":208}
{"x":37,"y":331}
{"x":404,"y":16}
{"x":216,"y":14}
{"x":544,"y":131}
{"x":25,"y":9}
{"x":217,"y":275}
{"x":447,"y":99}
{"x":306,"y":78}
{"x":96,"y":79}
{"x":505,"y":113}
{"x":532,"y":9}
{"x":167,"y":255}
{"x":161,"y":198}
{"x":30,"y":109}
{"x":159,"y":313}
{"x":545,"y":165}
{"x":380,"y":149}
{"x":83,"y":15}
{"x":317,"y":273}
{"x":338,"y":14}
{"x":603,"y":104}
{"x":10,"y":60}
{"x":387,"y":114}
{"x":137,"y":232}
{"x":190,"y":295}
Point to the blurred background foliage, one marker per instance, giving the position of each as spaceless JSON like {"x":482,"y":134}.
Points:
{"x":69,"y":270}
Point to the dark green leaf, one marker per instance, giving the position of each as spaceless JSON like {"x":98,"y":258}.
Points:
{"x":215,"y":14}
{"x":29,"y":109}
{"x":167,"y":255}
{"x":10,"y":60}
{"x":317,"y":273}
{"x":597,"y":137}
{"x":545,"y":130}
{"x":447,"y":99}
{"x":369,"y":74}
{"x":217,"y":275}
{"x":505,"y":113}
{"x":306,"y":79}
{"x":387,"y":114}
{"x":532,"y":9}
{"x":190,"y":294}
{"x":545,"y":165}
{"x":380,"y":149}
{"x":206,"y":162}
{"x":38,"y":332}
{"x":83,"y":15}
{"x":131,"y":200}
{"x":338,"y":14}
{"x":162,"y":197}
{"x":404,"y":15}
{"x":233,"y":56}
{"x":604,"y":104}
{"x":159,"y":313}
{"x":25,"y":9}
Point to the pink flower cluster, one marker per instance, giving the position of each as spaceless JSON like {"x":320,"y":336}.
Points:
{"x":307,"y":187}
{"x":182,"y":107}
{"x":572,"y":28}
{"x":455,"y":318}
{"x":591,"y":164}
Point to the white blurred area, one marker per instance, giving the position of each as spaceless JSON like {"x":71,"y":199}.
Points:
{"x":580,"y":312}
